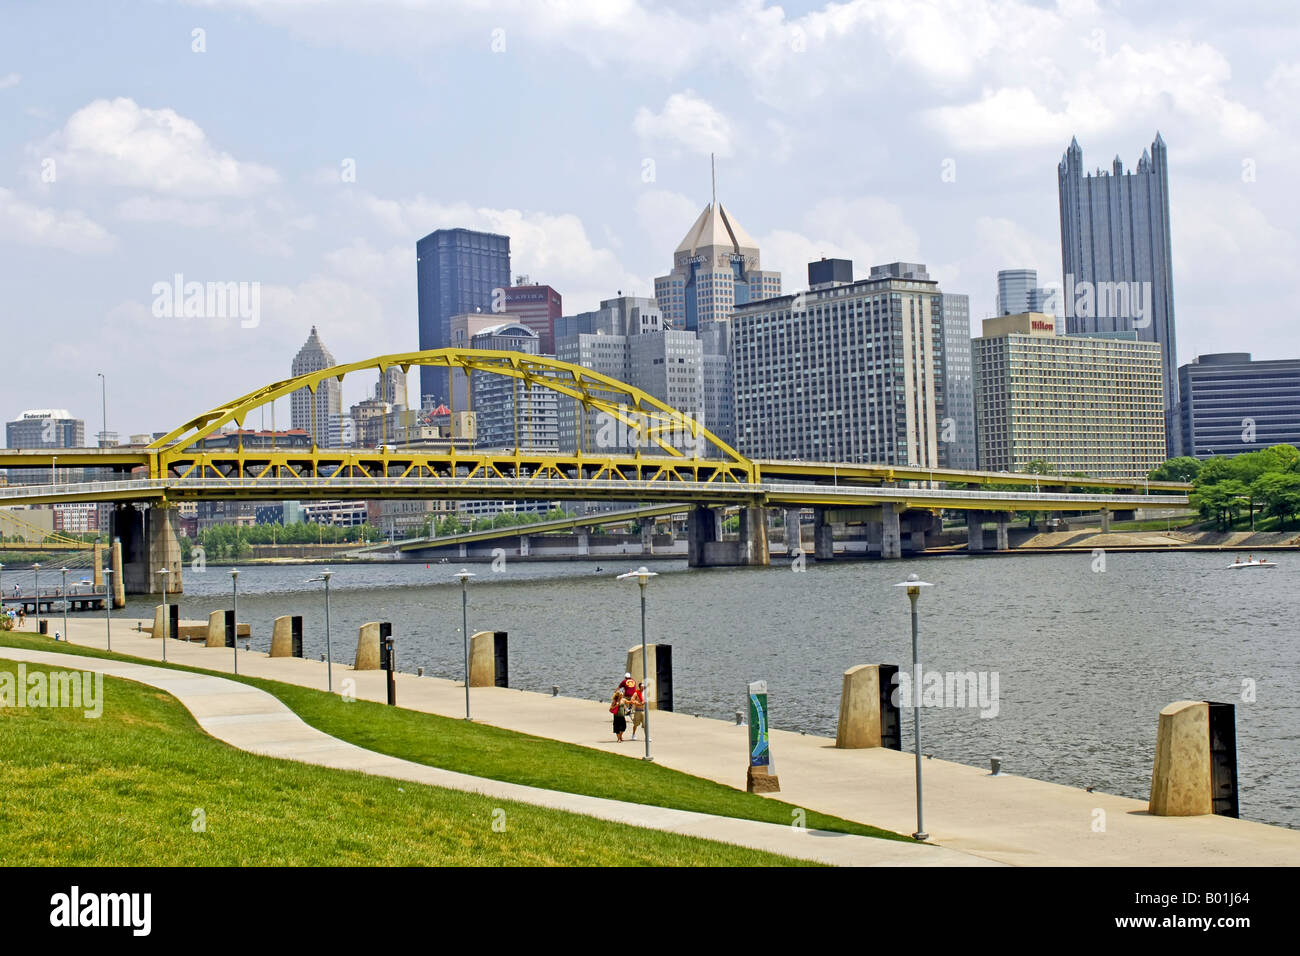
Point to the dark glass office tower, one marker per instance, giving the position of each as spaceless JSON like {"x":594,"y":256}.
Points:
{"x":456,"y":271}
{"x":1114,"y":241}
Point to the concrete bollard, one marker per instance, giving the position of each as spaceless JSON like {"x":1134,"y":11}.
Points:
{"x":367,"y":658}
{"x":659,"y":674}
{"x":286,"y":636}
{"x":173,"y":613}
{"x":488,"y":660}
{"x":217,"y":629}
{"x":1180,"y":781}
{"x":859,"y":723}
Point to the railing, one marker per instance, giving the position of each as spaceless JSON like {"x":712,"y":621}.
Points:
{"x":154,"y":487}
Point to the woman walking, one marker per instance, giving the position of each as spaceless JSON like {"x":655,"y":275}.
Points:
{"x":620,"y":722}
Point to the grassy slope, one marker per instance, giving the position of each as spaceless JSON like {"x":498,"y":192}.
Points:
{"x":122,"y":790}
{"x":499,"y":754}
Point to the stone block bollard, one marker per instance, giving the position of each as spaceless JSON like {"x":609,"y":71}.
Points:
{"x":217,"y":629}
{"x":659,"y":674}
{"x":368,"y":647}
{"x":488,"y":660}
{"x":859,"y":723}
{"x":1180,"y":781}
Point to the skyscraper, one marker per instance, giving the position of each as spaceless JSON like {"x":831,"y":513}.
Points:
{"x":1018,"y":292}
{"x":1116,"y":260}
{"x":715,"y":269}
{"x":848,"y":371}
{"x":457,"y":271}
{"x":311,"y":412}
{"x":45,"y":428}
{"x":957,"y":432}
{"x":535,"y":307}
{"x":1088,"y":404}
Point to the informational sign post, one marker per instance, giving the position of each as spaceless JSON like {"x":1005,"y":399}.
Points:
{"x":760,"y":776}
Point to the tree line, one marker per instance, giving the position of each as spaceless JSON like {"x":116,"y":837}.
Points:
{"x":1262,"y":483}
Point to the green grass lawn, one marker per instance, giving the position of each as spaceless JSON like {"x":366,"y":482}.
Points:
{"x":498,"y":754}
{"x":124,"y":789}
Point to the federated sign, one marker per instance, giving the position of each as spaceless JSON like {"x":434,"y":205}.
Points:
{"x":760,"y":755}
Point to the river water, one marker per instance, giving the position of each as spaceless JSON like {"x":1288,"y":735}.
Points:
{"x":1084,"y":658}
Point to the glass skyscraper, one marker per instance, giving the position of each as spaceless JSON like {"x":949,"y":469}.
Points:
{"x":1231,"y":404}
{"x":1115,"y":256}
{"x":457,"y":271}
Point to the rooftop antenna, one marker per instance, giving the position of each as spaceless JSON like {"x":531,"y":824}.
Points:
{"x":713,"y":173}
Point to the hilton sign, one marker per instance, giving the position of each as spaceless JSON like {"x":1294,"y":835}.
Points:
{"x":1042,"y":325}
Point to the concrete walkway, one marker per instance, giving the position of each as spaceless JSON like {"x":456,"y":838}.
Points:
{"x":255,"y":721}
{"x":1006,"y":819}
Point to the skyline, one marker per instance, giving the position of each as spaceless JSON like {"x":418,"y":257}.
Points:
{"x":241,"y":156}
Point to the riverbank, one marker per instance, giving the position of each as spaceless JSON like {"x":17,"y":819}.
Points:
{"x":1006,"y":819}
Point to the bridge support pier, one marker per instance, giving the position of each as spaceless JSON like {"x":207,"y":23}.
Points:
{"x":823,"y":536}
{"x":1003,"y":520}
{"x":891,"y":539}
{"x":524,"y":547}
{"x":918,"y":524}
{"x":584,"y":544}
{"x":148,"y":543}
{"x":648,"y":537}
{"x":1105,"y":520}
{"x":706,"y":549}
{"x":975,"y":532}
{"x":793,"y":532}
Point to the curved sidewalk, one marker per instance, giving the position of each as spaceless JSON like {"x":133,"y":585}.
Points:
{"x":253,"y":720}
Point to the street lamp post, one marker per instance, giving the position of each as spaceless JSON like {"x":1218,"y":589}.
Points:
{"x":642,"y":575}
{"x":65,"y":603}
{"x":166,"y":621}
{"x":103,"y":399}
{"x":108,"y":606}
{"x":329,"y":657}
{"x":2,"y":586}
{"x":464,"y":627}
{"x":914,"y":585}
{"x":36,"y":569}
{"x":234,"y":593}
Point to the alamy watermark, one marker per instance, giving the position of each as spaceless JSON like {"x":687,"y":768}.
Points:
{"x":179,"y":299}
{"x":80,"y":690}
{"x":951,"y":689}
{"x":633,"y":429}
{"x":1087,"y":300}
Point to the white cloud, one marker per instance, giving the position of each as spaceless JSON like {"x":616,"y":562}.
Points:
{"x":149,"y":209}
{"x":686,"y":121}
{"x":70,"y":230}
{"x":867,"y":229}
{"x":119,"y":142}
{"x":9,"y":79}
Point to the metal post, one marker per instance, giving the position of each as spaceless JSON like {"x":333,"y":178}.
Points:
{"x":643,"y":576}
{"x":914,"y":585}
{"x":329,"y":656}
{"x":65,"y":603}
{"x":464,"y":576}
{"x":108,"y":607}
{"x":234,"y":588}
{"x":166,"y":619}
{"x":645,"y":681}
{"x":37,"y":605}
{"x":920,"y":833}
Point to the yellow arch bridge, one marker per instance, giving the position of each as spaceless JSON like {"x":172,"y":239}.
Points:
{"x":631,"y":447}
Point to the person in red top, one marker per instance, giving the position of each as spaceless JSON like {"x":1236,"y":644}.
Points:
{"x":627,"y":687}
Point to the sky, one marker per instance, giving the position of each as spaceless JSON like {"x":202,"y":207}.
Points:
{"x":301,"y":147}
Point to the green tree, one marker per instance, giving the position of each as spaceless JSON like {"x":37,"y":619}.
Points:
{"x":1184,"y":468}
